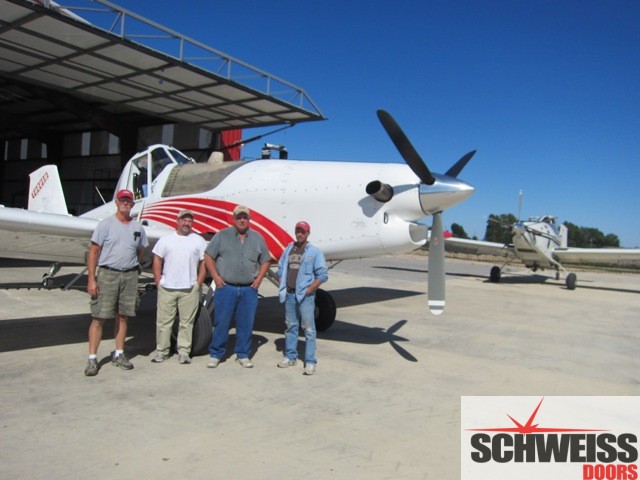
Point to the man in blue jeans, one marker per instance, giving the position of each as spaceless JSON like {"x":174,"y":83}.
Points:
{"x":237,"y":258}
{"x":302,"y":269}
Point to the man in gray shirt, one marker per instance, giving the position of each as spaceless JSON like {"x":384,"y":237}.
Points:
{"x":237,"y":259}
{"x":116,"y":246}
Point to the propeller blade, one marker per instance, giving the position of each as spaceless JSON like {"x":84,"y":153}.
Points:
{"x":408,"y":153}
{"x":460,"y":164}
{"x":436,"y":266}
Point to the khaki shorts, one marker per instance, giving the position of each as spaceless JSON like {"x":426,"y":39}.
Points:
{"x":117,"y":294}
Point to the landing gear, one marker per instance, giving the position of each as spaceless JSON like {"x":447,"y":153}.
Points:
{"x":494,"y":275}
{"x":325,"y":311}
{"x":571,"y":281}
{"x":47,"y":278}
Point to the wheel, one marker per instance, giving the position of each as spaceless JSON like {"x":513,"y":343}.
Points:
{"x":571,"y":281}
{"x":494,"y":275}
{"x":202,"y":326}
{"x":325,"y":311}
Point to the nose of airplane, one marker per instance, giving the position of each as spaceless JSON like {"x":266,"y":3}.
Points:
{"x":444,"y":193}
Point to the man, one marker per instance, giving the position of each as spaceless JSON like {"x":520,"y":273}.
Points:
{"x":237,"y":259}
{"x":116,"y":246}
{"x":302,"y":269}
{"x":178,"y":271}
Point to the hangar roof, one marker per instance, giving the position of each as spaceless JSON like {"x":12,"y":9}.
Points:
{"x":61,"y":72}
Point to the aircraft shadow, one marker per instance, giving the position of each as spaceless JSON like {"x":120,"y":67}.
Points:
{"x":270,"y":318}
{"x":27,"y":333}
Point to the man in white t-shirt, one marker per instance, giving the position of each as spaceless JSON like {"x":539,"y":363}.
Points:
{"x":179,"y":271}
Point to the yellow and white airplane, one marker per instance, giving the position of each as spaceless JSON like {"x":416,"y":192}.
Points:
{"x":540,"y":243}
{"x":356,"y":209}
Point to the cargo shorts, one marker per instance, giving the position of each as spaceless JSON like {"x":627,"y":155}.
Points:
{"x":117,"y":294}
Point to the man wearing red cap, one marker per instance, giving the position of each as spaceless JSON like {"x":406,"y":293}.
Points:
{"x":112,"y":266}
{"x":302,"y":269}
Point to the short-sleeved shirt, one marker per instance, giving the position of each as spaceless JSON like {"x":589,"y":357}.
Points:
{"x":119,"y":242}
{"x":181,"y":255}
{"x":238,"y":262}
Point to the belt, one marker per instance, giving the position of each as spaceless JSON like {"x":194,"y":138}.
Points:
{"x":239,"y":284}
{"x":291,"y":290}
{"x":118,"y":270}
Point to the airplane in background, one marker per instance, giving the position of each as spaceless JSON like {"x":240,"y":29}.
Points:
{"x":540,"y":243}
{"x":355,"y":209}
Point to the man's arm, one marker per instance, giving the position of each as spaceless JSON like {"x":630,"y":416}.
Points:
{"x":261,"y":273}
{"x":92,"y":266}
{"x":210,"y":264}
{"x":157,"y":269}
{"x":202,"y":272}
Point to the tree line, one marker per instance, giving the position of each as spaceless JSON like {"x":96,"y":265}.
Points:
{"x":499,"y":231}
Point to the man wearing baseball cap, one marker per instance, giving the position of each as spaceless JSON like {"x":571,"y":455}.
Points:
{"x":178,"y":271}
{"x":112,"y":266}
{"x":237,"y":259}
{"x":302,"y":269}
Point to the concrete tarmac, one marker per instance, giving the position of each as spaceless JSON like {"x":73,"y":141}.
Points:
{"x":384,"y":404}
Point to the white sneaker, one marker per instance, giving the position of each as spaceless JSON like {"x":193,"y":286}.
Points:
{"x":245,"y":362}
{"x":286,"y":362}
{"x":310,"y":369}
{"x":213,"y":362}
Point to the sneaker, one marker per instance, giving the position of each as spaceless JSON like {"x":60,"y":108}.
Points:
{"x":213,"y":362}
{"x":122,"y":361}
{"x":286,"y":362}
{"x":245,"y":362}
{"x":184,"y":359}
{"x":310,"y":369}
{"x":158,"y":358}
{"x":92,"y":368}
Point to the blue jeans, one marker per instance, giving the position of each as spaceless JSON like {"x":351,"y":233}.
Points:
{"x":230,"y":302}
{"x":296,"y":313}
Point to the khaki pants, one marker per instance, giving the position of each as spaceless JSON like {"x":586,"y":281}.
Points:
{"x":185,"y":303}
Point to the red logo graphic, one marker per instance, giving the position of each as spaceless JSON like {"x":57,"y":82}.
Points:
{"x":529,"y":427}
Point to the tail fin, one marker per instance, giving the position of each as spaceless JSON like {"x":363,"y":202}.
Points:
{"x":45,"y":191}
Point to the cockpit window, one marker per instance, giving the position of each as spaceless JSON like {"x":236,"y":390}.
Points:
{"x":180,"y":157}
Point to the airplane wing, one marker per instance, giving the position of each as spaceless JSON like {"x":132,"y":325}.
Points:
{"x":29,"y":235}
{"x":619,"y":256}
{"x":477,"y":247}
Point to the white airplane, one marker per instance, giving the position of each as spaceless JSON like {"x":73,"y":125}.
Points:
{"x":355,"y":209}
{"x":541,"y":243}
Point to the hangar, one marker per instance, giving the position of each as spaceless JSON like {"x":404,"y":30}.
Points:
{"x":85,"y":87}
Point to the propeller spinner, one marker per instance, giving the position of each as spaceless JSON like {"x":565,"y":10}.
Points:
{"x":445,"y":190}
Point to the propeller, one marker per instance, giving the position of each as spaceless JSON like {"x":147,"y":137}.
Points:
{"x":436,"y":281}
{"x":436,"y":291}
{"x":408,"y":153}
{"x":460,"y":164}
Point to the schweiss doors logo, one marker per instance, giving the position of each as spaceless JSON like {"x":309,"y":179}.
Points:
{"x":582,"y":438}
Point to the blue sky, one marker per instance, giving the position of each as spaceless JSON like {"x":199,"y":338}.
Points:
{"x":547,"y":91}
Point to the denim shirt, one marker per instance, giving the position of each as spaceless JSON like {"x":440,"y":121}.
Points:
{"x":312,"y":267}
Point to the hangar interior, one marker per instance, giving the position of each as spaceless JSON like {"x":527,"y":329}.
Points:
{"x":87,"y":86}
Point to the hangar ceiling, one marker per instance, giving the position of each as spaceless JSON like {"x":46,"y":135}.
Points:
{"x":61,"y":73}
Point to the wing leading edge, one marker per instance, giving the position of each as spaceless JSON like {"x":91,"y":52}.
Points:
{"x":50,"y":237}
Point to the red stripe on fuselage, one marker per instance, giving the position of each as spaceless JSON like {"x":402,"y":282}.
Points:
{"x":215,"y":215}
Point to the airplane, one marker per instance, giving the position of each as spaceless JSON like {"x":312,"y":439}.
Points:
{"x":355,"y":209}
{"x":541,"y":243}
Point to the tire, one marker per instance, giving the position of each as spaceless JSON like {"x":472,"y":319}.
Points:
{"x":494,"y":275}
{"x":571,"y":281}
{"x":325,"y":312}
{"x":202,"y":327}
